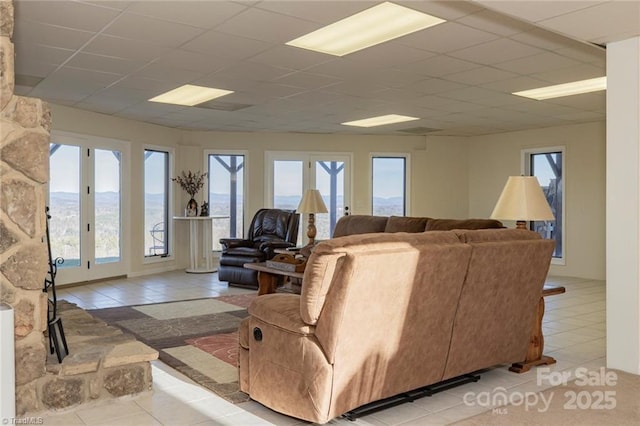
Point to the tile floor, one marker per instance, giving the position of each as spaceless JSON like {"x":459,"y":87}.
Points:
{"x":574,"y":329}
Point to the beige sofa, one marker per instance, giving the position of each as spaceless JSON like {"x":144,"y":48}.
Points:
{"x":386,"y":313}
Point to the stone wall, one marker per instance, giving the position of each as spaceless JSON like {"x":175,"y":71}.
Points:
{"x":24,"y":169}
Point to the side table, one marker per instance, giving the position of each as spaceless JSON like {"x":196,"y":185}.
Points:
{"x":200,"y":263}
{"x":268,"y":277}
{"x":536,"y":344}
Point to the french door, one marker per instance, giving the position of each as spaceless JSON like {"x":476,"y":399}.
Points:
{"x":290,"y":174}
{"x":86,"y":207}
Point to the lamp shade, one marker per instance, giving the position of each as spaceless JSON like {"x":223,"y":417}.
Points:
{"x":522,"y":199}
{"x":312,"y":202}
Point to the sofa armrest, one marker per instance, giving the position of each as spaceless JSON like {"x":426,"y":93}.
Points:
{"x":281,"y":311}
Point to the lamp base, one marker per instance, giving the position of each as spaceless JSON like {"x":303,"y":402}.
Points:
{"x":311,"y":229}
{"x":521,"y":224}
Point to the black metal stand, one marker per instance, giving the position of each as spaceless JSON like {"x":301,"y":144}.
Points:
{"x":57,"y":340}
{"x":409,"y":396}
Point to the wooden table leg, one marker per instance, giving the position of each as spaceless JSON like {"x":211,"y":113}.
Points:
{"x":536,"y":346}
{"x":267,"y":283}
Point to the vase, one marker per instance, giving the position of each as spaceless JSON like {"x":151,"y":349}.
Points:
{"x":192,"y":208}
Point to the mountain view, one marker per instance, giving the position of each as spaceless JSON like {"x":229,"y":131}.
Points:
{"x":65,"y":222}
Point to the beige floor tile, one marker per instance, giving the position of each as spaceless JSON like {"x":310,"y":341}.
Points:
{"x":574,"y":326}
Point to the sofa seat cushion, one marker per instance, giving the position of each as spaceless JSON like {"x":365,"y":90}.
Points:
{"x":450,"y":224}
{"x":406,"y":224}
{"x":281,"y":311}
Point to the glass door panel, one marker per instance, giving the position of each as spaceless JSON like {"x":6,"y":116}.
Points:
{"x":107,"y":206}
{"x":64,"y":204}
{"x":85,"y":200}
{"x":287,"y":183}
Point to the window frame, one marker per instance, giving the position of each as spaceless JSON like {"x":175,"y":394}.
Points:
{"x":525,"y":167}
{"x":407,"y":176}
{"x":169,"y":229}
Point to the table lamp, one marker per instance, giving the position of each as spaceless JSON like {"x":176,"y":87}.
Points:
{"x":522,"y":200}
{"x":312,"y":203}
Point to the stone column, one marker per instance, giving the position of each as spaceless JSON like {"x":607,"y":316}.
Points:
{"x":24,"y":170}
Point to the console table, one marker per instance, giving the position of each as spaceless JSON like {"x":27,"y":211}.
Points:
{"x":268,"y":277}
{"x":536,"y":344}
{"x":200,"y":263}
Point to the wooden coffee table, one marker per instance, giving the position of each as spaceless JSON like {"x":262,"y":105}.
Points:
{"x":268,"y":277}
{"x":536,"y":344}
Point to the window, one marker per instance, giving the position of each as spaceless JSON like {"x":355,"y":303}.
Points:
{"x":156,"y":203}
{"x":226,"y":195}
{"x":548,"y":166}
{"x":389,"y":185}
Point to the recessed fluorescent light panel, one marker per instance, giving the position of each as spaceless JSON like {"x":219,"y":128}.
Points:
{"x":566,"y":89}
{"x":376,"y":25}
{"x":380,"y":121}
{"x":190,"y":95}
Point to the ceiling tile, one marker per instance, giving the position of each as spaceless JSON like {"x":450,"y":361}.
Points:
{"x":45,"y":54}
{"x":600,"y":23}
{"x":69,"y":14}
{"x":436,"y":85}
{"x":180,"y":59}
{"x":291,"y":57}
{"x":50,"y":35}
{"x":444,"y":9}
{"x":323,"y":12}
{"x":154,"y":31}
{"x":124,"y":48}
{"x":90,"y":61}
{"x":537,"y":63}
{"x":262,"y":25}
{"x":220,"y":44}
{"x":533,"y":11}
{"x":442,"y":65}
{"x":207,"y":14}
{"x":446,"y":37}
{"x":156,"y":71}
{"x":479,"y":76}
{"x":497,"y":51}
{"x":306,"y":80}
{"x":493,"y":22}
{"x":566,"y":75}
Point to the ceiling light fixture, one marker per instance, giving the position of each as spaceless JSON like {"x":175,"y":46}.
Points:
{"x":566,"y":89}
{"x":190,"y":95}
{"x":376,"y":25}
{"x":380,"y":121}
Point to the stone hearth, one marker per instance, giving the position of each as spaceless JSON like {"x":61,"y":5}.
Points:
{"x":103,"y":362}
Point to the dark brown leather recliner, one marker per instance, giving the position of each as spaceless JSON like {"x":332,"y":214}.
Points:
{"x":270,"y":229}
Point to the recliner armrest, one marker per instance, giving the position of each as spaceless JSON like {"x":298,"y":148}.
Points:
{"x":281,"y":311}
{"x":228,"y":243}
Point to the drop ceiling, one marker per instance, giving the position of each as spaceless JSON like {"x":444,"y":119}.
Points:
{"x":457,"y":77}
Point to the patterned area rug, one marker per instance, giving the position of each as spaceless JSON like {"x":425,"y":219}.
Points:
{"x":197,"y":337}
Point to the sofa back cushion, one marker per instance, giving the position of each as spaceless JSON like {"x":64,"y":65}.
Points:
{"x":498,"y":302}
{"x":449,"y":224}
{"x":406,"y":224}
{"x":386,"y":321}
{"x":359,"y":224}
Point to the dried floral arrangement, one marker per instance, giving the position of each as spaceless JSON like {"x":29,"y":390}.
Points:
{"x":191,"y":182}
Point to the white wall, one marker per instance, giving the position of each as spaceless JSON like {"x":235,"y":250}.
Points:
{"x":493,"y":158}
